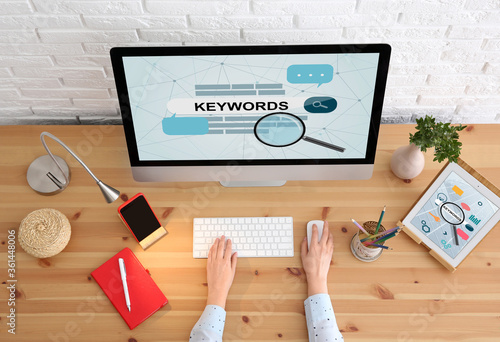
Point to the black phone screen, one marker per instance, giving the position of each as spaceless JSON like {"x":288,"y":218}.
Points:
{"x":140,"y":218}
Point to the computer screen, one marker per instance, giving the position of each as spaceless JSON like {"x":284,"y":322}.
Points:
{"x":283,"y":106}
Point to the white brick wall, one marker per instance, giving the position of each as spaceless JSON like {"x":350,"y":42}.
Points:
{"x":55,"y":66}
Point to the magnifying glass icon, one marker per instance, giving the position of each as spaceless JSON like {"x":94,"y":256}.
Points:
{"x":282,"y":129}
{"x":318,"y":104}
{"x":454,"y":215}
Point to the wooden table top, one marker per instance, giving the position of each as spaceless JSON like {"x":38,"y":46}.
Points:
{"x":406,"y":295}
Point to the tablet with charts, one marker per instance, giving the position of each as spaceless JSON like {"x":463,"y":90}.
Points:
{"x":455,"y":213}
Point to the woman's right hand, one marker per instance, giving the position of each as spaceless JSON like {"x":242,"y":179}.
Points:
{"x":316,"y":260}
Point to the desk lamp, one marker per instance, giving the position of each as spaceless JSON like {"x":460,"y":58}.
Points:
{"x":45,"y":173}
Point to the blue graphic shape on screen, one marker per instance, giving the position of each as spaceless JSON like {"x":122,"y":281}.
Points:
{"x":320,"y":104}
{"x":442,"y":197}
{"x":185,"y":125}
{"x":425,"y":227}
{"x":310,"y":73}
{"x":279,"y":129}
{"x":445,"y":244}
{"x":474,"y":219}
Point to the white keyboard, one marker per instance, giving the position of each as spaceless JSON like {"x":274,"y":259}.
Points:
{"x":250,"y":236}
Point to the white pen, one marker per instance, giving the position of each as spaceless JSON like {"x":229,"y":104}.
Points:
{"x":123,"y":273}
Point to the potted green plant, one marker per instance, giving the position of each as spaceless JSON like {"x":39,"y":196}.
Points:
{"x":408,"y":161}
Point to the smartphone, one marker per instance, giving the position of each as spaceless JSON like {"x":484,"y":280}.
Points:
{"x":142,"y":222}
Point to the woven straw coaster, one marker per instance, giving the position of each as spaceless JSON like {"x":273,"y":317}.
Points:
{"x":44,"y":233}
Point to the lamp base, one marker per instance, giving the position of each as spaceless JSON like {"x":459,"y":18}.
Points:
{"x":45,"y":177}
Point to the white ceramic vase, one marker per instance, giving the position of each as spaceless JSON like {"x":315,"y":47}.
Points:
{"x":407,"y":161}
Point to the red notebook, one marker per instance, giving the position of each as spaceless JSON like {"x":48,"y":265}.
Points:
{"x":145,"y":296}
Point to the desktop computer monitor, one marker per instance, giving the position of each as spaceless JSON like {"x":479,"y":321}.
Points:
{"x":249,"y":115}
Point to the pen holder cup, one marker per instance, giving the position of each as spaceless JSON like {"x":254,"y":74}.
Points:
{"x":362,"y":252}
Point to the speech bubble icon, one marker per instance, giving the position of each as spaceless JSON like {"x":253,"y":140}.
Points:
{"x":185,"y":125}
{"x":310,"y":73}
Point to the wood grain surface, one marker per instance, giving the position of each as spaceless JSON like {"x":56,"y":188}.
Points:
{"x":406,"y":295}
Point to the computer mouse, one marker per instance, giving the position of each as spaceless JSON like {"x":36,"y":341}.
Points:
{"x":318,"y":224}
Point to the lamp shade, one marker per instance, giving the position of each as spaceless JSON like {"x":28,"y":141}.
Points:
{"x":109,"y":193}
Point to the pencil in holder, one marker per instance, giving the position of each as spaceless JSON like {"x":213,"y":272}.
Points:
{"x":362,"y":252}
